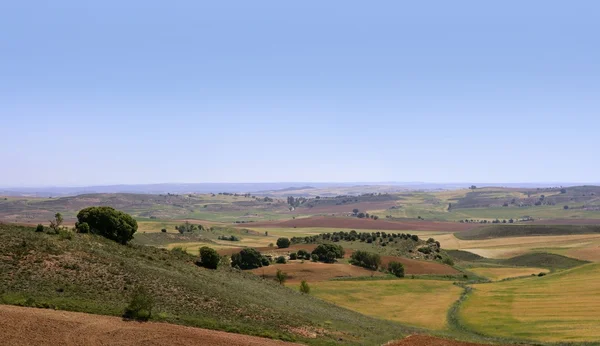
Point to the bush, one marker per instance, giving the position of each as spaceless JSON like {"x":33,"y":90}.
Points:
{"x":396,"y":268}
{"x":140,"y":306}
{"x":414,"y":237}
{"x":281,"y":276}
{"x":365,"y":259}
{"x":448,"y":261}
{"x":209,"y":258}
{"x":39,"y":228}
{"x":264,"y":260}
{"x":164,"y":230}
{"x":281,"y":260}
{"x":293,"y":256}
{"x":425,"y":249}
{"x":304,"y":288}
{"x":542,"y":274}
{"x":314,"y":258}
{"x":247,"y":259}
{"x":109,"y":223}
{"x":65,"y":234}
{"x":83,"y":228}
{"x":328,"y":252}
{"x":303,"y":254}
{"x":283,"y":243}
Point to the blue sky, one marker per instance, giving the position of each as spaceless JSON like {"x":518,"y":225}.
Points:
{"x":107,"y":92}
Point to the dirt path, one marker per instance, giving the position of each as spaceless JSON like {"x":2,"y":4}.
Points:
{"x":27,"y":326}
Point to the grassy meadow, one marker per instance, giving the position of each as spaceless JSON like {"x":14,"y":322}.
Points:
{"x":560,"y":307}
{"x":420,"y":303}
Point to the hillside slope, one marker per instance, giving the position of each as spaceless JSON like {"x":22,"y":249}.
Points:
{"x":91,"y":274}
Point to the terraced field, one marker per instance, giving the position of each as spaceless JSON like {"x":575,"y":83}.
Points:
{"x":558,"y":307}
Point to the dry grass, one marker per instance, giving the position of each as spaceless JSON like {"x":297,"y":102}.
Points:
{"x":560,"y":307}
{"x":422,"y":303}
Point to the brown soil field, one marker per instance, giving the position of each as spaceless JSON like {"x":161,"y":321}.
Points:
{"x":313,"y":272}
{"x":411,"y":266}
{"x":27,"y":326}
{"x":346,"y":208}
{"x":425,"y":340}
{"x":356,"y":223}
{"x":416,"y":267}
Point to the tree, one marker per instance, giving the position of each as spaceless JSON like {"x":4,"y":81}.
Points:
{"x":164,"y":230}
{"x":39,"y":228}
{"x":281,"y":276}
{"x":355,"y":211}
{"x":56,"y":224}
{"x":473,"y":187}
{"x":366,"y":259}
{"x":328,"y":252}
{"x":247,"y":259}
{"x":293,"y":256}
{"x":140,"y":306}
{"x":563,"y":190}
{"x":361,"y":215}
{"x":108,"y":222}
{"x":209,"y":258}
{"x":281,"y":260}
{"x":396,"y":268}
{"x":303,"y":254}
{"x":304,"y":288}
{"x":566,"y":207}
{"x":314,"y":258}
{"x":283,"y":243}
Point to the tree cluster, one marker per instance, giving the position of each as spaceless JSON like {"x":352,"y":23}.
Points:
{"x":367,"y":237}
{"x":107,"y":222}
{"x":366,"y":259}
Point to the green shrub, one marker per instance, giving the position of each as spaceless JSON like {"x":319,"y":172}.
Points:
{"x":109,"y":223}
{"x":425,"y":249}
{"x":140,"y":306}
{"x":366,"y":259}
{"x":303,"y":254}
{"x":293,"y":256}
{"x":164,"y":230}
{"x":39,"y":228}
{"x":281,"y":276}
{"x":209,"y":258}
{"x":83,"y":228}
{"x":328,"y":253}
{"x":448,"y":261}
{"x":281,"y":260}
{"x":314,"y":258}
{"x":248,"y":259}
{"x":396,"y":268}
{"x":65,"y":234}
{"x":304,"y":287}
{"x":283,"y":243}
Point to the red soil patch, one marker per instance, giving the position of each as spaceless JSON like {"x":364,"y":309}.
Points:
{"x":314,"y":272}
{"x":346,"y":208}
{"x":356,"y":223}
{"x":416,"y":267}
{"x":26,"y":326}
{"x":424,"y":340}
{"x":411,"y":266}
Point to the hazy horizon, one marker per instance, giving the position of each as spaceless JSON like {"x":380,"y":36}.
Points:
{"x":107,"y":93}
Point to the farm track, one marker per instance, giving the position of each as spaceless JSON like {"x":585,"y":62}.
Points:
{"x":27,"y":326}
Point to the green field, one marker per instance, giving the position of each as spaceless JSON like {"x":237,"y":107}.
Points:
{"x":558,"y":307}
{"x":421,"y":303}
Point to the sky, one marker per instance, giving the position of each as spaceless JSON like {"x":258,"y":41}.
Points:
{"x":190,"y":91}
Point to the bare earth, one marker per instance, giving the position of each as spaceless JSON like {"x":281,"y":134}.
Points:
{"x":27,"y":326}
